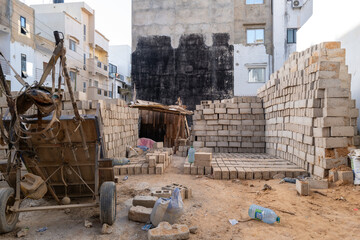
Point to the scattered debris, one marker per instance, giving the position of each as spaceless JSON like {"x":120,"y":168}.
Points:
{"x":279,"y":176}
{"x":251,"y":185}
{"x":161,"y":193}
{"x":318,"y":183}
{"x":193,"y":230}
{"x":167,"y":231}
{"x":23,"y":232}
{"x":106,"y":229}
{"x":42,"y":229}
{"x":283,"y":211}
{"x":159,"y":210}
{"x":341,"y":199}
{"x":266,"y":187}
{"x":322,"y":194}
{"x":233,"y":221}
{"x":88,"y":224}
{"x":67,"y":211}
{"x":146,"y":227}
{"x":236,"y":181}
{"x":290,"y":180}
{"x":125,"y":178}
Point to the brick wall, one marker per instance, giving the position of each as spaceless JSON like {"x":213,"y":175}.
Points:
{"x":231,"y":125}
{"x":310,"y":115}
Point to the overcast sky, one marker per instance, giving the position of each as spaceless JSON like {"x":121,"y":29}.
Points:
{"x":113,"y":18}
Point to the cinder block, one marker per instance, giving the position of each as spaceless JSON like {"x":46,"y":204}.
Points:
{"x":347,"y":177}
{"x":139,"y":214}
{"x":318,"y":184}
{"x":145,"y":201}
{"x":302,"y":188}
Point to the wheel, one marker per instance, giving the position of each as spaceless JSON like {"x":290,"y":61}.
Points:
{"x":108,"y":203}
{"x":8,"y":219}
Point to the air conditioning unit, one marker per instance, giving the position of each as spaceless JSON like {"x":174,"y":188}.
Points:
{"x":297,"y":3}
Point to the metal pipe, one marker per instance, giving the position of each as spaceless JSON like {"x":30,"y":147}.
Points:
{"x":59,"y":207}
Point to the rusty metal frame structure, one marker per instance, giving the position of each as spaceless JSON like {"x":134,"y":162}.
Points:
{"x":15,"y":135}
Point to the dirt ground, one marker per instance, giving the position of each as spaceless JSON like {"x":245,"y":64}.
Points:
{"x":214,"y":202}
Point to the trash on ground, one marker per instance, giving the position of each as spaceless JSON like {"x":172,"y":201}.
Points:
{"x":87,"y":224}
{"x":175,"y":208}
{"x":146,"y":227}
{"x":266,"y":187}
{"x":193,"y":230}
{"x":265,"y":215}
{"x":355,"y":165}
{"x":42,"y":229}
{"x":22,"y":233}
{"x":233,"y":221}
{"x":106,"y":229}
{"x":125,"y":178}
{"x":290,"y":180}
{"x":120,"y":162}
{"x":158,"y":212}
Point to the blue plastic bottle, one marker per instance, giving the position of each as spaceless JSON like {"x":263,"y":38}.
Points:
{"x":263,"y":214}
{"x":191,"y":155}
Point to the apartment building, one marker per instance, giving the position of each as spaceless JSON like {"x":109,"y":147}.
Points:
{"x":17,"y":41}
{"x":200,"y":50}
{"x":87,"y":49}
{"x":120,"y":70}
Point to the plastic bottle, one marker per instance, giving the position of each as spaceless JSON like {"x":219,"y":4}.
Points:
{"x":263,"y":214}
{"x":191,"y":155}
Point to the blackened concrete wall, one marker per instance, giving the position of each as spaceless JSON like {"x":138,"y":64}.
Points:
{"x":193,"y":71}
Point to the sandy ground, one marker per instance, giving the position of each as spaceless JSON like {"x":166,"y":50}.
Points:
{"x":214,"y":202}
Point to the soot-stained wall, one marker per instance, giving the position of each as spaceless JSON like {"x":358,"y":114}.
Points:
{"x":193,"y":71}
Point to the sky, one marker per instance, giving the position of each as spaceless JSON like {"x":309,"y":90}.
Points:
{"x":112,"y":18}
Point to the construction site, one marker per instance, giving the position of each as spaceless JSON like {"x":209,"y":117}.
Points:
{"x":186,"y":154}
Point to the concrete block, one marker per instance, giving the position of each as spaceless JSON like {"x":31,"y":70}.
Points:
{"x":202,"y":156}
{"x":161,"y":193}
{"x":139,"y":214}
{"x":145,"y":201}
{"x":318,"y":184}
{"x":208,"y":111}
{"x":347,"y":131}
{"x":302,"y":188}
{"x":159,"y":168}
{"x":158,"y":145}
{"x":166,"y":231}
{"x":347,"y":177}
{"x":333,"y":176}
{"x":152,"y":161}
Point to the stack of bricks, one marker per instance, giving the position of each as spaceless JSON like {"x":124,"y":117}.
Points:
{"x":234,"y":125}
{"x":310,"y":116}
{"x":152,"y":163}
{"x":183,"y":148}
{"x":119,"y":122}
{"x":201,"y":166}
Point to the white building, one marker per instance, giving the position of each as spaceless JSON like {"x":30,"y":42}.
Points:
{"x":17,"y":41}
{"x":120,"y":70}
{"x":268,"y":45}
{"x":334,"y":20}
{"x":87,"y":49}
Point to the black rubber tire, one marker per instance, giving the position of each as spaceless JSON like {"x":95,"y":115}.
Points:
{"x":7,"y":220}
{"x":108,"y":203}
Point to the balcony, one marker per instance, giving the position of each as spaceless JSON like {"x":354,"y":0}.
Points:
{"x":94,"y":66}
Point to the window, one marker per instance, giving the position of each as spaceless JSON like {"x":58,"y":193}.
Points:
{"x":105,"y":93}
{"x":105,"y":67}
{"x":291,"y":35}
{"x":23,"y":66}
{"x":84,"y":59}
{"x":99,"y":91}
{"x":110,"y":94}
{"x":72,"y":76}
{"x":72,"y":45}
{"x":256,"y":75}
{"x":84,"y":32}
{"x":255,"y":36}
{"x":99,"y":64}
{"x":254,"y":1}
{"x":122,"y":77}
{"x":90,"y":82}
{"x":23,"y":25}
{"x":119,"y":90}
{"x":96,"y":84}
{"x":84,"y":87}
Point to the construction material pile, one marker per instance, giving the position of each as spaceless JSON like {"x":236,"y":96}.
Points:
{"x":310,"y":115}
{"x":234,"y":125}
